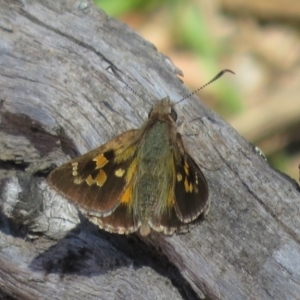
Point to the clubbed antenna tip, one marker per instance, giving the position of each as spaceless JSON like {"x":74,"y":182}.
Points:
{"x":206,"y":84}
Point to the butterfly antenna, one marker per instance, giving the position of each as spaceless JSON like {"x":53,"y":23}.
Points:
{"x":206,"y":84}
{"x":123,"y":81}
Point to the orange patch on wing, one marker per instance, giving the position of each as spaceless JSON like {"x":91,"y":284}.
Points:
{"x":186,"y":185}
{"x":101,"y":161}
{"x":78,"y":180}
{"x":186,"y":168}
{"x":171,"y":195}
{"x":179,"y":177}
{"x":120,"y":172}
{"x":89,"y":180}
{"x":74,"y":168}
{"x":170,"y":202}
{"x":101,"y":178}
{"x":127,"y":195}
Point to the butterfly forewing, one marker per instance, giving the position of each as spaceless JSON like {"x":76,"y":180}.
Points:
{"x":96,"y":181}
{"x":191,"y":189}
{"x":189,"y":194}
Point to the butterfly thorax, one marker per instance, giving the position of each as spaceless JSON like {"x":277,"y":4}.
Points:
{"x":154,"y":174}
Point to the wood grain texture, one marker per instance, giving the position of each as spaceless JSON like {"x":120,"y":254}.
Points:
{"x":58,"y":100}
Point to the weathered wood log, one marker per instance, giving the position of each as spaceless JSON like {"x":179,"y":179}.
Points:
{"x":58,"y":100}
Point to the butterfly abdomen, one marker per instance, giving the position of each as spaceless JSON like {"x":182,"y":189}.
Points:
{"x":153,"y":174}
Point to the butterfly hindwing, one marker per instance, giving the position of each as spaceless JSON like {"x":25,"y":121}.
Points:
{"x":120,"y":221}
{"x":168,"y":222}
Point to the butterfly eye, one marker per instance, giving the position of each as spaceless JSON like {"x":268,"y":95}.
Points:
{"x":173,"y":114}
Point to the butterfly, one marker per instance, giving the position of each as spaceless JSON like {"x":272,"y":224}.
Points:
{"x":142,"y":180}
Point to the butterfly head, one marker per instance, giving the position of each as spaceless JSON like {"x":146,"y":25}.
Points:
{"x":163,"y":110}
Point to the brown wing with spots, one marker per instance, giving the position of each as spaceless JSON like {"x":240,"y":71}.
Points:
{"x":98,"y":180}
{"x":189,"y":195}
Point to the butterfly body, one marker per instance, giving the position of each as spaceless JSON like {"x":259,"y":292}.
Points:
{"x":143,"y":179}
{"x":154,"y":178}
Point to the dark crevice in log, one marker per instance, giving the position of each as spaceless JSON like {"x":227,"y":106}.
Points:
{"x":43,"y":141}
{"x":11,"y":227}
{"x":66,"y":144}
{"x":4,"y":296}
{"x":13,"y":165}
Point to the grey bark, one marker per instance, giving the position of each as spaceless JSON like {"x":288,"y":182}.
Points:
{"x":59,"y":100}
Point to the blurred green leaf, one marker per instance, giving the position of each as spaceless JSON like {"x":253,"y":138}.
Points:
{"x":118,"y":8}
{"x":193,"y":32}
